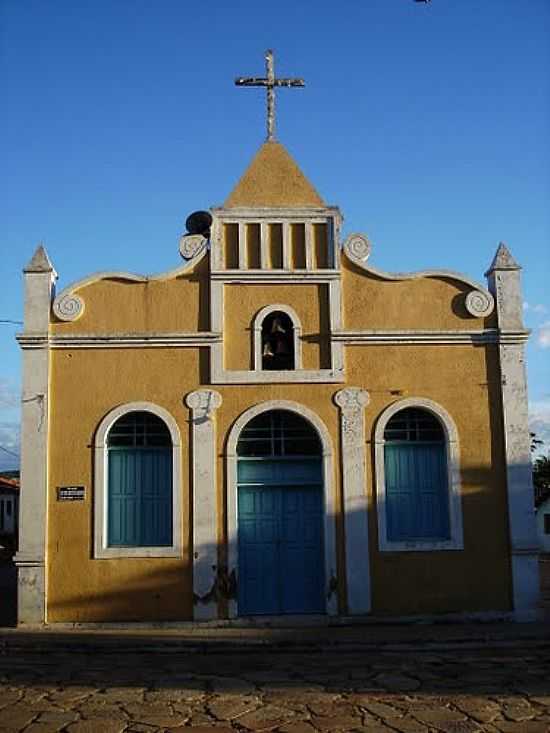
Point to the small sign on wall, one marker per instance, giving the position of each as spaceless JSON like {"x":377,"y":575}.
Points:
{"x":71,"y":493}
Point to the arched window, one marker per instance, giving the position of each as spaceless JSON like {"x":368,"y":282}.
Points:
{"x":139,"y":482}
{"x":418,"y":489}
{"x":136,"y":487}
{"x":417,"y":503}
{"x":277,"y":342}
{"x":277,"y":339}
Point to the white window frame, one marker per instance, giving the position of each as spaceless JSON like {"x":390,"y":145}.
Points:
{"x":456,"y":541}
{"x":296,"y":335}
{"x":101,"y":503}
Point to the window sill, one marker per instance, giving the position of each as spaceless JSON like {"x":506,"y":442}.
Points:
{"x":106,"y":553}
{"x":278,"y":377}
{"x":421,"y":546}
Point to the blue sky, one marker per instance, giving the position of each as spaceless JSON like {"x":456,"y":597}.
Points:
{"x":427,"y":124}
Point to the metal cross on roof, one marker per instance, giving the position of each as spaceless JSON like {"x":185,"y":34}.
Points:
{"x":270,"y":82}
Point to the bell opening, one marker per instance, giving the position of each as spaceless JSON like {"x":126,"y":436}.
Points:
{"x":278,"y":342}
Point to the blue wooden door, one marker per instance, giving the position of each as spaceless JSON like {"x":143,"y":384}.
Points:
{"x":281,"y":558}
{"x":301,"y":550}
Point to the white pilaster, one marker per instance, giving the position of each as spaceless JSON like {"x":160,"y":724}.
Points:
{"x":217,"y":244}
{"x":40,"y":277}
{"x":242,"y":246}
{"x":203,"y":404}
{"x":264,"y":245}
{"x":504,"y":283}
{"x":308,"y":238}
{"x":352,"y":402}
{"x":287,"y":246}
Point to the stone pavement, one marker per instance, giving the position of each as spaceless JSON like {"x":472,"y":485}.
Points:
{"x":438,"y":683}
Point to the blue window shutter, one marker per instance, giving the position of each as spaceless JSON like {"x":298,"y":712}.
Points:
{"x":156,"y":501}
{"x":123,"y":498}
{"x":140,"y":498}
{"x":433,"y":499}
{"x":417,"y":503}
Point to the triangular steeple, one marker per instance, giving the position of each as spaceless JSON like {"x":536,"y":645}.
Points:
{"x":503,"y":260}
{"x":273,"y":179}
{"x":40,"y":262}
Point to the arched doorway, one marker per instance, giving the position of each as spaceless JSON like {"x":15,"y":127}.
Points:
{"x":280,"y":510}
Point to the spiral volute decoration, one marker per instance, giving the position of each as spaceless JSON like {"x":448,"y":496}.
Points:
{"x":479,"y":304}
{"x":68,"y":307}
{"x":358,"y":247}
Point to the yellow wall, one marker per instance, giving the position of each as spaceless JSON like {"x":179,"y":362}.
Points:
{"x":176,"y":305}
{"x":464,"y":381}
{"x":86,"y":384}
{"x":424,"y":303}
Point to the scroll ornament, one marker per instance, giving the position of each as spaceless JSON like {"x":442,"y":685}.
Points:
{"x":358,"y":247}
{"x":203,"y":401}
{"x":68,"y":307}
{"x":191,"y":245}
{"x":352,"y":398}
{"x":479,"y":304}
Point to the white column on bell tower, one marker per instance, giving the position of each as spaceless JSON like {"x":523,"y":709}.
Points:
{"x":504,"y":283}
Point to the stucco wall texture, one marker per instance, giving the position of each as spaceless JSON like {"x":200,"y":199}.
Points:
{"x":273,"y":179}
{"x":87,"y":383}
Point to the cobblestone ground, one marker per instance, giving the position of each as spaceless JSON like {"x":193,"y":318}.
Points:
{"x":504,"y":689}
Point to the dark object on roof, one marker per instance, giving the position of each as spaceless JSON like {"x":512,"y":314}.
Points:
{"x":199,"y":222}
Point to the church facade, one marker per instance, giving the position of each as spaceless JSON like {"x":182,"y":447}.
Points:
{"x":274,"y":428}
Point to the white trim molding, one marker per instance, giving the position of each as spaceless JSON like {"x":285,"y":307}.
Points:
{"x":331,"y":580}
{"x":339,"y":338}
{"x":133,"y":340}
{"x":352,"y":402}
{"x":101,"y":548}
{"x":289,"y":277}
{"x":203,"y":404}
{"x":286,"y":376}
{"x":417,"y":337}
{"x":456,"y":542}
{"x":276,"y":214}
{"x":257,"y":334}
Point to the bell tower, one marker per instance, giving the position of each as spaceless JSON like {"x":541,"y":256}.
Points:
{"x":274,"y":229}
{"x":275,"y":262}
{"x":274,"y":220}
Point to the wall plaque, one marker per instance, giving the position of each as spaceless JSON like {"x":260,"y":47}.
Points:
{"x":71,"y":493}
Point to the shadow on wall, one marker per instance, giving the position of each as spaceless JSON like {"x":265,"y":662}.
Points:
{"x":474,"y":579}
